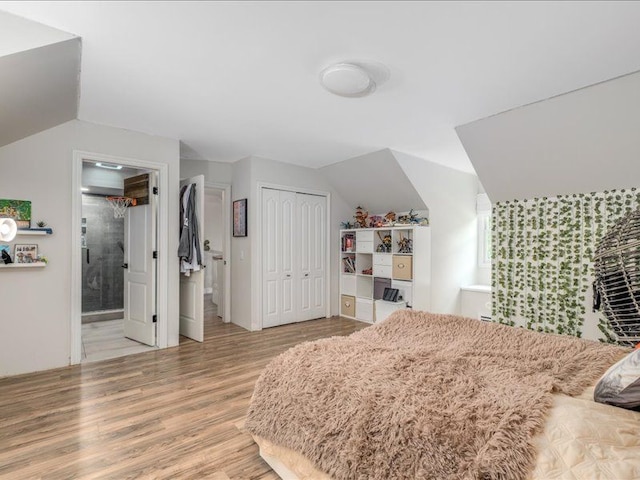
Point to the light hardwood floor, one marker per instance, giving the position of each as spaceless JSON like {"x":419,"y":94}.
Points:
{"x":105,"y":339}
{"x":175,"y":413}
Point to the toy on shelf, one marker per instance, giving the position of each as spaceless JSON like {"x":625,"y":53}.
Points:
{"x":390,"y":219}
{"x":346,"y":225}
{"x":412,"y":218}
{"x":376,"y":221}
{"x":361,"y":218}
{"x":385,"y":245}
{"x":368,"y":271}
{"x":405,"y":244}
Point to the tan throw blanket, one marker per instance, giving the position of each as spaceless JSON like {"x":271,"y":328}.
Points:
{"x":422,"y":396}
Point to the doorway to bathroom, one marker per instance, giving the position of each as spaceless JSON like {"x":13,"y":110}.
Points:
{"x":118,"y":230}
{"x":217,"y":223}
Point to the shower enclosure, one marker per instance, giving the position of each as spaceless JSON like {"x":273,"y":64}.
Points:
{"x":103,"y":256}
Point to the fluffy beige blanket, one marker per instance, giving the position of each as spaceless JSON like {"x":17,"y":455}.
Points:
{"x":422,"y":396}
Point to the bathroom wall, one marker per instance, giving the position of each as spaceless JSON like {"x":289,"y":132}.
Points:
{"x":102,"y":273}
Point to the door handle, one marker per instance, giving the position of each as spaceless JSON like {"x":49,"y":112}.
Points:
{"x":125,"y":265}
{"x":88,"y":258}
{"x":306,"y":274}
{"x":288,"y":276}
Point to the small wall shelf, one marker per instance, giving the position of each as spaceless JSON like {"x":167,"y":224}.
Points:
{"x":35,"y":231}
{"x":23,"y":265}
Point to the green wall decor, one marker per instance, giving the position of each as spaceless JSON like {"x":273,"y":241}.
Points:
{"x":542,"y":268}
{"x":19,"y":210}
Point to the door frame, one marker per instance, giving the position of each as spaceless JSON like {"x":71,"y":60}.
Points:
{"x":226,"y":206}
{"x":162,"y":267}
{"x":256,"y":322}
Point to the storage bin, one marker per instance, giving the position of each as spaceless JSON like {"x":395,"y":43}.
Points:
{"x":379,"y":284}
{"x":402,"y":267}
{"x":348,"y":306}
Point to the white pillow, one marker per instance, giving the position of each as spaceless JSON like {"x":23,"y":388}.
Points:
{"x":620,"y":385}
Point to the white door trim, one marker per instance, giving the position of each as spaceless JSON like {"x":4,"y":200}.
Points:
{"x":226,"y":187}
{"x":75,"y":347}
{"x":256,"y":252}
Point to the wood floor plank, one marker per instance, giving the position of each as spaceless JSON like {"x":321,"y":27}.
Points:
{"x":165,"y":414}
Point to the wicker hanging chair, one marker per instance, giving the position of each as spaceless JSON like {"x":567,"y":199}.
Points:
{"x":617,"y":278}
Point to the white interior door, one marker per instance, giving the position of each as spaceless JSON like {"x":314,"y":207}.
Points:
{"x":312,"y":259}
{"x":140,"y":270}
{"x":192,"y":286}
{"x":279,"y":249}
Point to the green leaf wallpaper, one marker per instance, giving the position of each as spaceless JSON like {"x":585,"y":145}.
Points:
{"x":542,"y":267}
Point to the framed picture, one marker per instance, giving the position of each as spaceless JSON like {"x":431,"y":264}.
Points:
{"x":19,"y":210}
{"x":5,"y":254}
{"x":25,"y":254}
{"x":240,"y":218}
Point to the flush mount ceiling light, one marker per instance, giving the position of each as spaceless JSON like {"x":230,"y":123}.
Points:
{"x":109,"y":166}
{"x":354,"y":78}
{"x":8,"y":229}
{"x":347,"y":80}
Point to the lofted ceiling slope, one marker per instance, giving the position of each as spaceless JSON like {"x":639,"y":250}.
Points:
{"x":376,"y":182}
{"x":232,"y":79}
{"x":583,"y":141}
{"x":39,"y":77}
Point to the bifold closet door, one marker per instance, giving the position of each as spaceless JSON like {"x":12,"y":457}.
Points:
{"x":312,"y":211}
{"x":279,"y":252}
{"x":293,"y":256}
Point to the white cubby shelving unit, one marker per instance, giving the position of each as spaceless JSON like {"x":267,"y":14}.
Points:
{"x":367,"y":267}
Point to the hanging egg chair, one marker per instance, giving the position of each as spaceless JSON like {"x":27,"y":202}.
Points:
{"x":617,"y":278}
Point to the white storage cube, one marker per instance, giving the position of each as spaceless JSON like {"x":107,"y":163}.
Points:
{"x":364,"y":236}
{"x":348,"y":285}
{"x":384,"y":309}
{"x":382,"y":259}
{"x":364,"y":247}
{"x":405,"y":288}
{"x":364,"y":310}
{"x":382,"y":271}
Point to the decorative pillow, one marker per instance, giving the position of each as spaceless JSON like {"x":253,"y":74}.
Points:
{"x":620,"y":385}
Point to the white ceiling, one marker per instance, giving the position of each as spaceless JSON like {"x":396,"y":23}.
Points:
{"x":231,"y":79}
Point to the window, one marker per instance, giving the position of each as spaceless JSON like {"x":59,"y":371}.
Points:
{"x":484,"y":240}
{"x":483,"y":209}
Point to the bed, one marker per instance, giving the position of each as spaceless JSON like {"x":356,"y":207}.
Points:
{"x":438,"y":396}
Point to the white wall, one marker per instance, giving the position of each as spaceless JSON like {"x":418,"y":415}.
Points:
{"x":35,"y":324}
{"x":241,"y":249}
{"x":450,"y":196}
{"x":213,"y":171}
{"x":245,"y":175}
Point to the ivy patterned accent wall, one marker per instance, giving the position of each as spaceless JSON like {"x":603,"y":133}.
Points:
{"x":542,"y":268}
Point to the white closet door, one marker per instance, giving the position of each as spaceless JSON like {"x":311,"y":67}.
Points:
{"x":312,"y":240}
{"x":279,"y":257}
{"x":289,"y":254}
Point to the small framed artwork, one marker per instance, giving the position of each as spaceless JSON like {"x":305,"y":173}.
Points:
{"x":240,"y":218}
{"x":19,"y":210}
{"x":390,"y":294}
{"x":25,"y":253}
